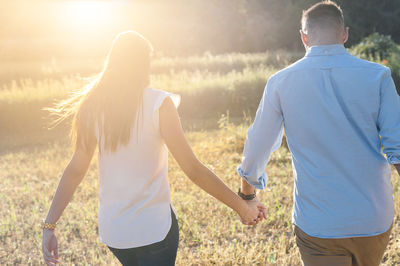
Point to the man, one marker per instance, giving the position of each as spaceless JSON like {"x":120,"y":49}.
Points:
{"x":337,"y":111}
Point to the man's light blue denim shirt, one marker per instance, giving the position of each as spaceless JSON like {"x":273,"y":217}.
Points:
{"x":337,"y":112}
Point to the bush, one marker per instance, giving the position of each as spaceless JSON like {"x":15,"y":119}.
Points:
{"x":381,"y":49}
{"x":375,"y":47}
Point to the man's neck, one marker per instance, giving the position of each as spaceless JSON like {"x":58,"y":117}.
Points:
{"x":323,"y":42}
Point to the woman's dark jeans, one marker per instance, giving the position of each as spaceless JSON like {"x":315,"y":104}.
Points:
{"x":158,"y":254}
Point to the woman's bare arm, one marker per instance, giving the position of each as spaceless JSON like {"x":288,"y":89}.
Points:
{"x":171,"y":131}
{"x":71,"y":178}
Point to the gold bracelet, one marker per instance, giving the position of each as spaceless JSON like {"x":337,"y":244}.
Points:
{"x":48,"y":226}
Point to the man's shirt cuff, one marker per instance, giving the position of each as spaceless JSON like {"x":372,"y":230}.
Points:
{"x":261,"y":180}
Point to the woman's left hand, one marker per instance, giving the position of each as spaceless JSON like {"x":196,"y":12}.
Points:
{"x":50,"y":247}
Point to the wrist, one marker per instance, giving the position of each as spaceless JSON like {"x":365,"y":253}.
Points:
{"x":48,"y":226}
{"x":247,"y":196}
{"x":246,"y":188}
{"x":242,"y":207}
{"x":47,"y":231}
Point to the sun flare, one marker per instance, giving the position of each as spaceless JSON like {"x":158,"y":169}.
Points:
{"x":87,"y":14}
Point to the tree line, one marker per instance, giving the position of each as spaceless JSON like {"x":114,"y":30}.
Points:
{"x":184,"y":27}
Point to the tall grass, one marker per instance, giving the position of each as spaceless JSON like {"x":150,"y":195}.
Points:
{"x":209,"y":85}
{"x":223,"y":63}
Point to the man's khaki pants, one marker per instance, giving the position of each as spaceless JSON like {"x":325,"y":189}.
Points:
{"x":360,"y":251}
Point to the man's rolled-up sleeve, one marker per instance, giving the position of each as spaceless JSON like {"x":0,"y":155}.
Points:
{"x":263,"y":137}
{"x":389,"y":119}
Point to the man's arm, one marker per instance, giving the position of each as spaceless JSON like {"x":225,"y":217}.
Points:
{"x":246,"y":188}
{"x":389,"y":120}
{"x":263,"y":137}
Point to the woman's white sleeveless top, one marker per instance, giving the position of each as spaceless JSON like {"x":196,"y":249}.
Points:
{"x":134,"y":192}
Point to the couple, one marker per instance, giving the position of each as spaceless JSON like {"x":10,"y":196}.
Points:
{"x":337,"y":111}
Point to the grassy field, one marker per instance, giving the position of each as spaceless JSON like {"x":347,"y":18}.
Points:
{"x":209,"y":85}
{"x":32,"y":160}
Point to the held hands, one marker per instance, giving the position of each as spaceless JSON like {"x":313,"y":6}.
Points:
{"x":254,"y":212}
{"x":50,"y":247}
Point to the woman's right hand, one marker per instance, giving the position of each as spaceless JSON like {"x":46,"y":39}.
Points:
{"x":50,"y":247}
{"x":254,"y":212}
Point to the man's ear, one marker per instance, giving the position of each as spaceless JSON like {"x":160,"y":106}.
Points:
{"x":304,"y":39}
{"x":345,"y":35}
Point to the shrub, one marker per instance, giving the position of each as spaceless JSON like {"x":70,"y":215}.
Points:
{"x":375,"y":47}
{"x":381,"y":49}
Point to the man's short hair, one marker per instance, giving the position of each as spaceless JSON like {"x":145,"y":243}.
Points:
{"x":323,"y":15}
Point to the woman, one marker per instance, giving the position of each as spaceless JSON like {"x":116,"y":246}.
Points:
{"x":132,"y":125}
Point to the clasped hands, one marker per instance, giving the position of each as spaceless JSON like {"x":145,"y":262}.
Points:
{"x":254,"y":213}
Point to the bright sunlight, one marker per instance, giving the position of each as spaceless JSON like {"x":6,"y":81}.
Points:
{"x":84,"y":15}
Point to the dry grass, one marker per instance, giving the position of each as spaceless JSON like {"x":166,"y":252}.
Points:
{"x":211,"y":234}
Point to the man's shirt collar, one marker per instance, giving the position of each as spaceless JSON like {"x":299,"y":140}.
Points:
{"x":321,"y":50}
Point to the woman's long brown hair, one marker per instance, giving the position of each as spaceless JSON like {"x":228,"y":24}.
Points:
{"x":113,"y":101}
